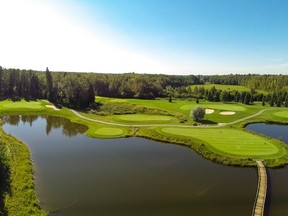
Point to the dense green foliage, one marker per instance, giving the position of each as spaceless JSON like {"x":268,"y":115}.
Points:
{"x":78,"y":90}
{"x":198,"y":113}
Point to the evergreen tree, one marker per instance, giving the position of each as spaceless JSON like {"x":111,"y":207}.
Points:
{"x":263,"y":101}
{"x":50,"y":87}
{"x":286,"y":101}
{"x":90,"y":95}
{"x":247,"y":98}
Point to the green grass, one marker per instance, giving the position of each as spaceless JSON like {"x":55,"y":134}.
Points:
{"x":282,"y":114}
{"x":21,"y":105}
{"x":183,"y":107}
{"x":231,"y":142}
{"x":140,"y":118}
{"x":108,"y":131}
{"x":20,"y":198}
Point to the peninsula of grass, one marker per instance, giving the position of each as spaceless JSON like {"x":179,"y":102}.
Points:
{"x":230,"y":142}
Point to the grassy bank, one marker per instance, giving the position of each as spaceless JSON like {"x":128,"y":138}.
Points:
{"x":17,"y":187}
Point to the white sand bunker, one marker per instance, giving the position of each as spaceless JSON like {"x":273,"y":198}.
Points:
{"x":52,"y":107}
{"x":227,"y":113}
{"x":209,"y":111}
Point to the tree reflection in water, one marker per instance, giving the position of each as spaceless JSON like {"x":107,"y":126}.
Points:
{"x":68,"y":128}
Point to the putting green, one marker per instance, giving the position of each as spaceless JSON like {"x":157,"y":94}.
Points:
{"x":22,"y":105}
{"x":108,"y":131}
{"x":228,"y":141}
{"x":283,"y":114}
{"x":140,"y":117}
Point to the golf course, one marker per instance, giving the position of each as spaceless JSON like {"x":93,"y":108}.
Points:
{"x":222,"y":134}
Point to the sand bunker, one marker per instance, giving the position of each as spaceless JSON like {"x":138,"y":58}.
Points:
{"x":52,"y":107}
{"x":209,"y":111}
{"x":227,"y":113}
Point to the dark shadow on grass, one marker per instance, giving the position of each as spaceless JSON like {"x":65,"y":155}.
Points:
{"x":206,"y":122}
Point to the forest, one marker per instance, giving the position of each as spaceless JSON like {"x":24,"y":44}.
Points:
{"x":78,"y":90}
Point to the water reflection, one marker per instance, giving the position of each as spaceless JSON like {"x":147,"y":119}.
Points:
{"x":68,"y":128}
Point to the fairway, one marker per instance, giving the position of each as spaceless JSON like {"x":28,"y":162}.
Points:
{"x":109,"y":131}
{"x":229,"y":141}
{"x":140,"y":117}
{"x":283,"y":114}
{"x":188,"y":107}
{"x":227,"y":107}
{"x":22,"y":105}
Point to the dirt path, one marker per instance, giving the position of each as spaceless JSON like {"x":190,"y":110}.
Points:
{"x":169,"y":125}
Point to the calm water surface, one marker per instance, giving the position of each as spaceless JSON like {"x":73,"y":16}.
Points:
{"x":278,"y":199}
{"x":77,"y":175}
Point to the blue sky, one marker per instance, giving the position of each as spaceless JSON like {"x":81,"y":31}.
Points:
{"x":147,"y":36}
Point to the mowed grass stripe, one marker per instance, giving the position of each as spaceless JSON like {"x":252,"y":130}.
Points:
{"x":229,"y":141}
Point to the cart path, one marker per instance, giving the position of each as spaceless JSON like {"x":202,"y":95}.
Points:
{"x":169,"y":125}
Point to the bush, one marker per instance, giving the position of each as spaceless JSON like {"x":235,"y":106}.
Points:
{"x":197,"y":113}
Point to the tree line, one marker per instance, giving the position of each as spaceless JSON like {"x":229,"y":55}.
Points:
{"x":78,"y":90}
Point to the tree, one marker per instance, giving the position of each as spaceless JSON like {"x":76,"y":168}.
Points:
{"x":286,"y":101}
{"x":263,"y":101}
{"x":1,"y":78}
{"x":197,"y":113}
{"x":224,"y":96}
{"x":197,"y":100}
{"x":50,"y":86}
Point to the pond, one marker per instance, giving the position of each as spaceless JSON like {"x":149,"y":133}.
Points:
{"x":271,"y":130}
{"x":78,"y":175}
{"x":277,"y":202}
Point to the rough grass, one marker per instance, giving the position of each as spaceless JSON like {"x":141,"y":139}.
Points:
{"x":231,"y":141}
